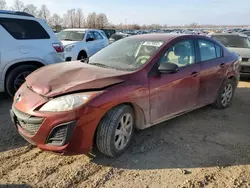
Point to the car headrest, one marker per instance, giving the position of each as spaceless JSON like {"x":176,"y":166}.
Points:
{"x":181,"y":50}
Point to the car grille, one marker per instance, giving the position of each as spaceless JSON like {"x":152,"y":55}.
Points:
{"x":245,"y":69}
{"x":61,"y":134}
{"x":28,"y":123}
{"x":245,"y":59}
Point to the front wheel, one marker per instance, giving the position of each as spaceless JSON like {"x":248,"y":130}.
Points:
{"x":225,"y":96}
{"x":115,"y":131}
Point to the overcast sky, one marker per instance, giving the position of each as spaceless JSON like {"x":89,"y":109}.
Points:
{"x":170,"y":12}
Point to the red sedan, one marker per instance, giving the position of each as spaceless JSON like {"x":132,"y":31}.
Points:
{"x":134,"y":83}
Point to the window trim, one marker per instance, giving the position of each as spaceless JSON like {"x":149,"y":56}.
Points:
{"x":199,"y":52}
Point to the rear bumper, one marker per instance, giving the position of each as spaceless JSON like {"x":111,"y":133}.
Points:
{"x":2,"y":86}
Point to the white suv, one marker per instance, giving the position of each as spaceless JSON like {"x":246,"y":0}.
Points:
{"x":82,"y":43}
{"x":26,"y":44}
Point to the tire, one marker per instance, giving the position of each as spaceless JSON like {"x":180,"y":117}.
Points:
{"x":20,"y":73}
{"x":82,"y":55}
{"x":108,"y":137}
{"x":219,"y":103}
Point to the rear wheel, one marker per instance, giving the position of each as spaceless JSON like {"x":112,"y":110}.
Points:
{"x":226,"y":93}
{"x":17,"y":76}
{"x":115,"y":131}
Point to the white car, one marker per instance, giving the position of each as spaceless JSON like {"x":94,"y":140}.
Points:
{"x":82,"y":43}
{"x":27,"y":43}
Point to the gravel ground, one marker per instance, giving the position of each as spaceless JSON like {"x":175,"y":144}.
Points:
{"x":204,"y":148}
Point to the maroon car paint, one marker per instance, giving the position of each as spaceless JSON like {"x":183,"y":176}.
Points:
{"x":152,"y":97}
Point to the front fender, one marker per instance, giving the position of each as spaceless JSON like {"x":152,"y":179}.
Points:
{"x":19,"y":61}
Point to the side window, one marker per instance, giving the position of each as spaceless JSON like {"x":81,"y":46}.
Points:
{"x":103,"y":33}
{"x":207,"y":50}
{"x":181,"y":54}
{"x":22,"y":29}
{"x":218,"y":51}
{"x":98,"y":36}
{"x":90,"y":36}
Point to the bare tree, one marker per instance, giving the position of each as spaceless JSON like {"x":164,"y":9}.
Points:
{"x":193,"y":25}
{"x":69,"y":19}
{"x":56,"y":22}
{"x":92,"y":20}
{"x":44,"y":12}
{"x":3,"y":4}
{"x":101,"y":21}
{"x":18,"y":5}
{"x":79,"y":18}
{"x":31,"y":9}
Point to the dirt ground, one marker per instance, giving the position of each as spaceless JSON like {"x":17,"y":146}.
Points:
{"x":205,"y":148}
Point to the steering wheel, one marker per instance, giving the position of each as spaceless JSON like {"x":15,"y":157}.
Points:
{"x":142,"y":59}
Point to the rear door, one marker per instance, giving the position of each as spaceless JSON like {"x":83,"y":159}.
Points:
{"x":213,"y":70}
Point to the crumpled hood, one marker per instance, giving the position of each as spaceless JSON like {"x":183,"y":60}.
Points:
{"x":57,"y":79}
{"x":65,"y":42}
{"x":243,"y":52}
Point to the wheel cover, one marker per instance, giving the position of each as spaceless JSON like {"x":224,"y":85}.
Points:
{"x":20,"y":79}
{"x":227,"y":95}
{"x":123,"y":131}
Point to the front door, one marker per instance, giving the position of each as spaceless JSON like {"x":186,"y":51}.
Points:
{"x":171,"y":94}
{"x":91,"y":43}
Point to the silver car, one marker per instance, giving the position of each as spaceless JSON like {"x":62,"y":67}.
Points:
{"x":238,"y":43}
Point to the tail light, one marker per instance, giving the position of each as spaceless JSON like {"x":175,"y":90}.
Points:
{"x":58,"y":47}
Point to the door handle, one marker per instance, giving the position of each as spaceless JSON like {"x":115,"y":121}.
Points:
{"x":222,"y":65}
{"x":194,"y":74}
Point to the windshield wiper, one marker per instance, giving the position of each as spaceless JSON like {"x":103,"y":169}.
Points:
{"x":100,"y":65}
{"x":233,"y":46}
{"x":67,"y":39}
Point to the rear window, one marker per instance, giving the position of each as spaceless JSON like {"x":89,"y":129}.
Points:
{"x":234,"y":41}
{"x":117,"y":37}
{"x":24,"y":29}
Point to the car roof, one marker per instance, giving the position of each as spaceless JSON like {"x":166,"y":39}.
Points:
{"x":80,"y":29}
{"x":229,"y":34}
{"x":165,"y":37}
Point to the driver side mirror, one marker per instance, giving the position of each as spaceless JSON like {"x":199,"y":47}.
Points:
{"x":168,"y":68}
{"x":90,"y":39}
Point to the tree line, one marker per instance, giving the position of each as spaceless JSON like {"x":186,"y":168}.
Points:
{"x":73,"y":18}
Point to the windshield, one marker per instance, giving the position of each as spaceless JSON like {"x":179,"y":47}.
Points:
{"x":126,"y":54}
{"x":233,"y":41}
{"x":71,"y":35}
